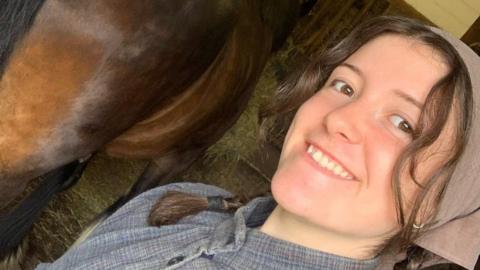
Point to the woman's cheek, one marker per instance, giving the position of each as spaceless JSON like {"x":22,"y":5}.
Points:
{"x":290,"y":185}
{"x":382,"y":158}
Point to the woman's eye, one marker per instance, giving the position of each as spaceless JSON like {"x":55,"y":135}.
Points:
{"x":343,"y":87}
{"x":401,"y":124}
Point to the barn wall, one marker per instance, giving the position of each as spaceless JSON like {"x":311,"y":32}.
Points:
{"x":455,"y":16}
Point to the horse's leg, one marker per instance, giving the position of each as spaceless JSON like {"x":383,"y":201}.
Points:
{"x":159,"y":170}
{"x":156,"y":172}
{"x":15,"y":225}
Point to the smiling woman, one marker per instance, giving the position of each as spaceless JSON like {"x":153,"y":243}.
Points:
{"x":393,"y":113}
{"x":343,"y":145}
{"x":376,"y":156}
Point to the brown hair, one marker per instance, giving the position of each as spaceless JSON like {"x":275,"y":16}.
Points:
{"x":175,"y":205}
{"x":454,"y":87}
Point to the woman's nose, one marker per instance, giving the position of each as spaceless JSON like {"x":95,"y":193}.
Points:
{"x":344,"y":123}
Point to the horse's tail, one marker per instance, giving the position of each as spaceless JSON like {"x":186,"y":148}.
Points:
{"x":15,"y":225}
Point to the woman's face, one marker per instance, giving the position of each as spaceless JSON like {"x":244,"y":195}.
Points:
{"x":336,"y":165}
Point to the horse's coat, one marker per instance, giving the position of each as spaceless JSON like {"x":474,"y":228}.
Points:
{"x":88,"y":70}
{"x":155,"y":79}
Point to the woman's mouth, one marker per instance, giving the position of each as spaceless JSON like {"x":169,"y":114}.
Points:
{"x":326,"y":162}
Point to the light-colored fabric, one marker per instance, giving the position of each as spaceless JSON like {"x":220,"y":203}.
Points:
{"x":206,"y":241}
{"x":455,"y":237}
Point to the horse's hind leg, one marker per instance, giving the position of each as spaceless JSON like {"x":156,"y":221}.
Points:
{"x":159,"y":170}
{"x":15,"y":225}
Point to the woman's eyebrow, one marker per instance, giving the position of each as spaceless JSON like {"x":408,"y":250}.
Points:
{"x":408,"y":98}
{"x":352,"y":67}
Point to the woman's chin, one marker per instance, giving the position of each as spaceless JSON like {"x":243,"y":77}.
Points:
{"x":293,"y":190}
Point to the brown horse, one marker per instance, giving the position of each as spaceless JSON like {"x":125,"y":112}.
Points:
{"x":155,"y":79}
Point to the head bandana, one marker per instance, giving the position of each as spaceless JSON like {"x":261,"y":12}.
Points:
{"x":456,"y":234}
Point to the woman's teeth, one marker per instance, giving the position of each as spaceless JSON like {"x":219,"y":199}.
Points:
{"x":327,"y":163}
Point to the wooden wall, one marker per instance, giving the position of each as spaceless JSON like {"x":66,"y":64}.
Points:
{"x":455,"y":16}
